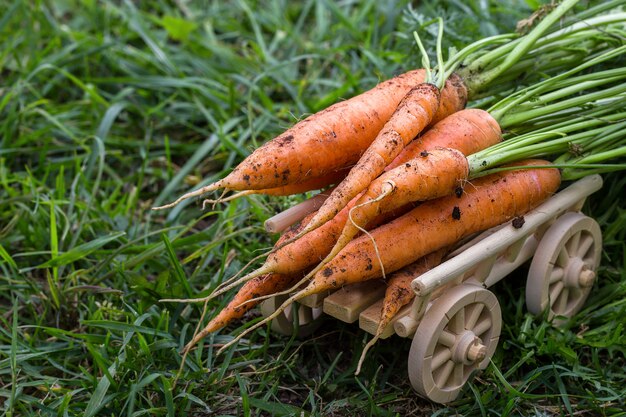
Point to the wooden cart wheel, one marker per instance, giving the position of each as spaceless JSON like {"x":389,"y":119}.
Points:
{"x":308,"y":318}
{"x":562,"y":271}
{"x":457,"y":335}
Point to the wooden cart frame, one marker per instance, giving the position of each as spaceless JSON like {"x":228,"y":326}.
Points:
{"x":455,"y":320}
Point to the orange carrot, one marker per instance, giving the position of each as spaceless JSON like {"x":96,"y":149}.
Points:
{"x":241,"y":303}
{"x":399,"y":293}
{"x":332,"y":138}
{"x":423,"y":171}
{"x":311,"y":184}
{"x":436,"y":173}
{"x":491,"y":200}
{"x":418,"y":109}
{"x":468,"y":131}
{"x":429,"y":175}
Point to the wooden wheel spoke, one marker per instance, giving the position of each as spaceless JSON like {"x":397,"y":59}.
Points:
{"x":563,"y":257}
{"x":584,"y":245}
{"x":473,"y":316}
{"x":457,"y":323}
{"x":446,"y":338}
{"x":459,"y":374}
{"x":305,"y":315}
{"x":441,"y":357}
{"x":573,"y":242}
{"x":556,"y":275}
{"x":482,"y":326}
{"x":288,"y":313}
{"x":555,"y":290}
{"x":562,"y":302}
{"x":445,"y":371}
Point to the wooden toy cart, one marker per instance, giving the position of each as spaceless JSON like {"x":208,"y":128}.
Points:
{"x":455,"y":320}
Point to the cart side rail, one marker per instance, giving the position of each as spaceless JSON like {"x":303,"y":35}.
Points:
{"x":497,"y":242}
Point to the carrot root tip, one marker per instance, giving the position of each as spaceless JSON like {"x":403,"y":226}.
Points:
{"x":195,"y":193}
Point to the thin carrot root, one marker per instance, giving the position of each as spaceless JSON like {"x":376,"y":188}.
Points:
{"x":222,"y":199}
{"x":367,"y":347}
{"x":197,"y":332}
{"x":224,"y":286}
{"x":242,"y":280}
{"x":289,"y":290}
{"x":229,"y":198}
{"x":299,"y":295}
{"x":198,"y":337}
{"x":243,"y":268}
{"x":208,"y":188}
{"x":376,"y":250}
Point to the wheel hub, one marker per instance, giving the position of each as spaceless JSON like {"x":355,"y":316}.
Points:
{"x":578,"y":274}
{"x":468,"y":348}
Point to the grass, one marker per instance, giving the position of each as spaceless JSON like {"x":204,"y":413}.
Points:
{"x":108,"y":108}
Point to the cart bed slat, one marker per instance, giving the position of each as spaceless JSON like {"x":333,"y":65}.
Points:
{"x":347,"y":303}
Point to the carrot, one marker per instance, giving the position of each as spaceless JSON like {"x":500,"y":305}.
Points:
{"x":310,"y":148}
{"x":399,"y":293}
{"x":468,"y":131}
{"x":420,"y":174}
{"x":241,"y":303}
{"x":311,"y":184}
{"x":434,"y":174}
{"x":490,"y":201}
{"x":423,"y":171}
{"x":418,"y":109}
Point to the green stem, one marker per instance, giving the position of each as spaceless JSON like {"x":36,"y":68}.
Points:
{"x":534,"y":145}
{"x":594,"y":11}
{"x":575,"y":86}
{"x":520,"y":49}
{"x":425,"y":59}
{"x":589,"y":119}
{"x":441,"y":81}
{"x":580,"y":171}
{"x":503,"y":107}
{"x":456,"y":60}
{"x":518,"y":118}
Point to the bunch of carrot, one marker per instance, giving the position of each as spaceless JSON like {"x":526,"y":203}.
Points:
{"x":416,"y":172}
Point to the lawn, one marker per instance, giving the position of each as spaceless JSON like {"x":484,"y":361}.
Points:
{"x":108,"y":108}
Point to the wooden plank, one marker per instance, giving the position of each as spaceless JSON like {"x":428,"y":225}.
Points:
{"x":347,"y":303}
{"x":370,"y":318}
{"x":314,"y":300}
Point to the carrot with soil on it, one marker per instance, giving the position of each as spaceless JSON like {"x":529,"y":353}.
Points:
{"x":437,"y":173}
{"x":311,"y":184}
{"x":421,"y":171}
{"x":399,"y":293}
{"x":468,"y":131}
{"x":418,"y":109}
{"x":491,"y":200}
{"x":312,"y":144}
